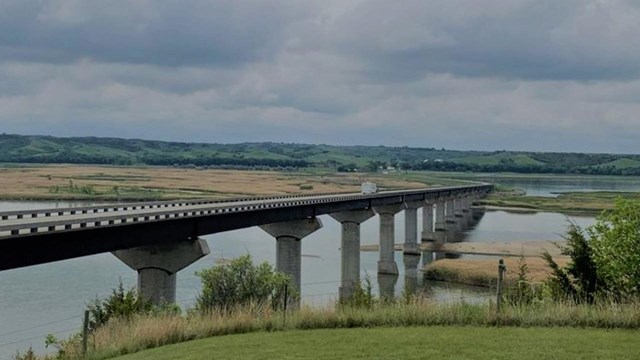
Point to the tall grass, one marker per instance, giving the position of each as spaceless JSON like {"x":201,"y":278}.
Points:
{"x":120,"y":336}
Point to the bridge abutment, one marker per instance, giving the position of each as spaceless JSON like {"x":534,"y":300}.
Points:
{"x":288,"y":247}
{"x":157,"y":266}
{"x":387,"y":263}
{"x":350,"y":249}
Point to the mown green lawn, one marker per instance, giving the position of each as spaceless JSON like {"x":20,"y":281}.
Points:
{"x":436,"y":343}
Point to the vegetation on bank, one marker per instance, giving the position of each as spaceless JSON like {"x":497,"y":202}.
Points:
{"x":569,"y":202}
{"x":112,"y":151}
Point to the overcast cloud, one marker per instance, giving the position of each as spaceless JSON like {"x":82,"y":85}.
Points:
{"x":477,"y":74}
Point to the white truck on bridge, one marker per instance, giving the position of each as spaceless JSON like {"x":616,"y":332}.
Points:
{"x":369,"y":188}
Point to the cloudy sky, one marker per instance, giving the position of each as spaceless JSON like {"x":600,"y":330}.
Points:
{"x":465,"y":74}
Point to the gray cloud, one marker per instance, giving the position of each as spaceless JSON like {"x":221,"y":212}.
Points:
{"x":541,"y":75}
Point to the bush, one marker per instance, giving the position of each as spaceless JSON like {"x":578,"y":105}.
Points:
{"x":577,"y":282}
{"x":120,"y":304}
{"x":523,"y":292}
{"x":615,"y":242}
{"x":241,"y":283}
{"x":362,"y":296}
{"x":605,"y":265}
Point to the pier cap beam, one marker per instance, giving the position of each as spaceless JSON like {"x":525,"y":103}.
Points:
{"x":157,"y":266}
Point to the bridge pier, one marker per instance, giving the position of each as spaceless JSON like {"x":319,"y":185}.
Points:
{"x":427,"y":223}
{"x":440,"y":226}
{"x":411,"y":227}
{"x":288,"y":247}
{"x":387,"y":263}
{"x":458,"y":214}
{"x":428,"y":233}
{"x":157,"y":266}
{"x":350,"y":249}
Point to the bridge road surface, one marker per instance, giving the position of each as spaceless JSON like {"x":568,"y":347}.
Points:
{"x":42,"y":222}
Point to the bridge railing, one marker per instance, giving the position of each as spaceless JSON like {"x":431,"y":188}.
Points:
{"x":173,"y":211}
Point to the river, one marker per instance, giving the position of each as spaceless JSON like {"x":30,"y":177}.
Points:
{"x":50,"y":298}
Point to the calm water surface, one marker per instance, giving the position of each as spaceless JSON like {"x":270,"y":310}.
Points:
{"x":50,"y":298}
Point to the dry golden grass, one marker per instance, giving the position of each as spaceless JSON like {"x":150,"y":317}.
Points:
{"x":126,"y":336}
{"x":484,"y":272}
{"x":111,"y":183}
{"x":512,"y":249}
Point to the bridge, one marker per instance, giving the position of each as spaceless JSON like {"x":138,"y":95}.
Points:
{"x":158,"y":239}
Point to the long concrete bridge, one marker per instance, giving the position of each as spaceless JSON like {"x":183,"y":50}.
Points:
{"x":158,"y":239}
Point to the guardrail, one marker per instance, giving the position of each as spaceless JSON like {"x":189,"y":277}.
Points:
{"x":172,"y":212}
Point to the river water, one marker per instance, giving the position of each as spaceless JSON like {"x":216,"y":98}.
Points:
{"x":50,"y":298}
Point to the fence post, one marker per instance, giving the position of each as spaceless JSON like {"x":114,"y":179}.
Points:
{"x":85,"y":333}
{"x":284,"y":305}
{"x":501,"y":270}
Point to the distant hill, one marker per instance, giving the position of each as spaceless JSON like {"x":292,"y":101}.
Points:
{"x":94,"y":150}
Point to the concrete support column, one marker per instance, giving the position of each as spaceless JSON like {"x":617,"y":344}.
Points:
{"x":440,"y":224}
{"x":427,"y":223}
{"x":411,"y":227}
{"x":450,"y":211}
{"x":350,"y":249}
{"x":387,"y":263}
{"x":387,"y":286}
{"x":288,"y":248}
{"x":458,"y":214}
{"x":466,"y":211}
{"x":428,"y":233}
{"x":157,"y":266}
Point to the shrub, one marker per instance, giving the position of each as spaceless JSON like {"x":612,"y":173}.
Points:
{"x":242,"y":283}
{"x":523,"y":292}
{"x":615,"y":241}
{"x":579,"y":280}
{"x":120,"y":304}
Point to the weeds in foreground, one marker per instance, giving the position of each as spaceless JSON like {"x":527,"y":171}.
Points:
{"x":121,"y":336}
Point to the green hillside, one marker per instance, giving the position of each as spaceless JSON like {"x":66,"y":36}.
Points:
{"x":499,"y":158}
{"x":93,"y":150}
{"x":622,"y":163}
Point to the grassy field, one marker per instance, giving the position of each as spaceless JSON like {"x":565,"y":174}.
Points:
{"x":410,"y":343}
{"x":137,"y":183}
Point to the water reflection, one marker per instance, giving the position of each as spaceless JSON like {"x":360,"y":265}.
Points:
{"x":411,"y":263}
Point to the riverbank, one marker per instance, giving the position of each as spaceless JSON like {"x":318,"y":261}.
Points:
{"x":569,"y":202}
